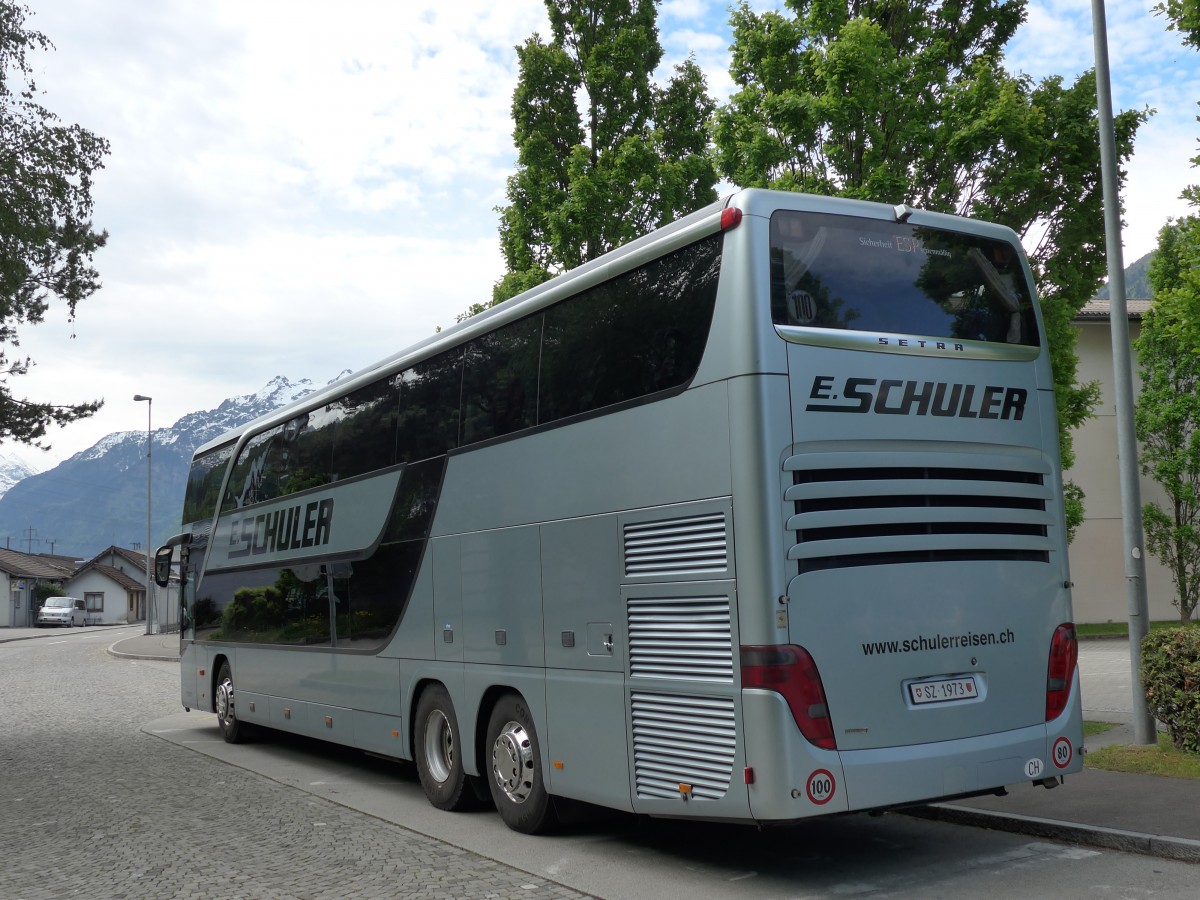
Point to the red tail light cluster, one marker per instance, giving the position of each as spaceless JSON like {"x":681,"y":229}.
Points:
{"x":1064,"y":653}
{"x":789,"y":670}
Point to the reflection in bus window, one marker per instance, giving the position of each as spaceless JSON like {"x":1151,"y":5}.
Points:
{"x":844,"y":272}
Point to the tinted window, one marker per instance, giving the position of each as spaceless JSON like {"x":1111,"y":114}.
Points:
{"x":371,"y":594}
{"x":255,"y":474}
{"x":849,"y":273}
{"x":364,"y":429}
{"x":264,"y":606}
{"x":500,"y":381}
{"x":429,"y":399}
{"x":293,"y":605}
{"x":639,"y":333}
{"x":345,"y":438}
{"x":204,"y":484}
{"x":416,"y":501}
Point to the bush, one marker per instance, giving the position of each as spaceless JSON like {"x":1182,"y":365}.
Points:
{"x":44,"y":590}
{"x":1171,"y":677}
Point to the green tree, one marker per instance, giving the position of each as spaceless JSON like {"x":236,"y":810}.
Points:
{"x":1168,"y":411}
{"x":46,"y":236}
{"x":46,"y":589}
{"x":908,"y":102}
{"x":603,"y":154}
{"x":1184,"y":17}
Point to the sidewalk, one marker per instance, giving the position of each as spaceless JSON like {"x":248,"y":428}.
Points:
{"x":148,"y":646}
{"x":1135,"y":813}
{"x":1145,"y":814}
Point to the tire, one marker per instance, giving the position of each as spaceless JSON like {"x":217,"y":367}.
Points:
{"x":438,"y":750}
{"x":232,"y":728}
{"x":515,"y":769}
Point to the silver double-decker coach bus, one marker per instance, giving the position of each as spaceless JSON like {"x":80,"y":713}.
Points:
{"x":757,"y":517}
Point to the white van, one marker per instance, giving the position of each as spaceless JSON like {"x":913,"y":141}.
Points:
{"x":61,"y":611}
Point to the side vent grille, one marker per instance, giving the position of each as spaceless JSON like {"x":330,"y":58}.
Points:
{"x":677,"y":547}
{"x":682,"y":740}
{"x":848,"y":515}
{"x":685,"y":638}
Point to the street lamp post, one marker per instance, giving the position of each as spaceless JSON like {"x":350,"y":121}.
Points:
{"x":1127,"y":453}
{"x":149,"y":580}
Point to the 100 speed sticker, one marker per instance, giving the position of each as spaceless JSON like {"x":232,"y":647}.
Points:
{"x":820,"y":787}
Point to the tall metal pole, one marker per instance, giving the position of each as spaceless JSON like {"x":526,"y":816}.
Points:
{"x":149,"y":580}
{"x":1127,"y":455}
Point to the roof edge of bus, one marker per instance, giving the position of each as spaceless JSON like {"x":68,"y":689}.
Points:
{"x":763,"y":201}
{"x":686,"y":229}
{"x":695,"y":225}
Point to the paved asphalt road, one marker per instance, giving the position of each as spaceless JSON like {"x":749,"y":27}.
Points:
{"x":91,"y":806}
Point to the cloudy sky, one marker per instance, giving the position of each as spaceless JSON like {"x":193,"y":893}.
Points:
{"x":299,"y":188}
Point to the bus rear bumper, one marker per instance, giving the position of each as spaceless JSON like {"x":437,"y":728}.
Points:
{"x":823,"y":781}
{"x":897,"y":776}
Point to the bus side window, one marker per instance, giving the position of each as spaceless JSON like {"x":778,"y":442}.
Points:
{"x":429,"y":407}
{"x":364,"y":434}
{"x":640,"y":333}
{"x":500,"y":379}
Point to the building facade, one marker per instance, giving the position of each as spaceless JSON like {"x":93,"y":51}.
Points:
{"x":1097,"y":553}
{"x":20,"y":574}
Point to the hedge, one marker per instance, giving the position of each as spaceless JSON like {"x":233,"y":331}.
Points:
{"x":1171,"y":677}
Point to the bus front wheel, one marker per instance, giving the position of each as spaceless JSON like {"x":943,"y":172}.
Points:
{"x":515,"y":768}
{"x":232,"y":729}
{"x":438,"y":752}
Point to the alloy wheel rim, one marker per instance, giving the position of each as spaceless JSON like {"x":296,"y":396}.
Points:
{"x":439,"y":746}
{"x":512,"y":762}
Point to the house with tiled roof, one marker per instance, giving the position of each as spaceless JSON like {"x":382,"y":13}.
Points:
{"x":20,"y":574}
{"x":112,"y":586}
{"x":1097,"y":554}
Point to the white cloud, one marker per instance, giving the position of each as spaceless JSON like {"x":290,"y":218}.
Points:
{"x":296,"y":188}
{"x":1149,"y":68}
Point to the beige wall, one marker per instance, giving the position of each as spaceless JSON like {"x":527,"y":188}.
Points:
{"x":1097,"y":553}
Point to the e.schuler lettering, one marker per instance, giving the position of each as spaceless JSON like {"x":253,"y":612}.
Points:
{"x":278,"y":530}
{"x":895,"y":397}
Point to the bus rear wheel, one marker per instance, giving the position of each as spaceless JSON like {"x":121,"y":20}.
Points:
{"x":232,"y":729}
{"x":438,"y":752}
{"x":515,"y":769}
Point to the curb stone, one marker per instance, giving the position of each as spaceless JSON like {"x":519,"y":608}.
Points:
{"x":1181,"y":849}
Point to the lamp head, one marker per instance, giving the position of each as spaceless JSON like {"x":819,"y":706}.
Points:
{"x":140,"y":397}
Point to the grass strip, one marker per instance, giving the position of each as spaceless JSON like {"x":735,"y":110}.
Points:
{"x":1162,"y":759}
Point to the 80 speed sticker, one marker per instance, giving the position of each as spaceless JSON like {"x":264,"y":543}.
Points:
{"x":1062,"y":753}
{"x":821,"y":786}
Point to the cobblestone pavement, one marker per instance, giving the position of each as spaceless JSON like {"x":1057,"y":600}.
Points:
{"x":91,"y":807}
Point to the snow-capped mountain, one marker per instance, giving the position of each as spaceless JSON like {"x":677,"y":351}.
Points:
{"x":97,"y":498}
{"x":12,"y":470}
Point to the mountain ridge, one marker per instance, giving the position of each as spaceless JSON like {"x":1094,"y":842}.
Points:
{"x":97,"y":498}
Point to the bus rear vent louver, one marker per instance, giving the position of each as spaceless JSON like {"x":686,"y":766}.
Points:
{"x":683,"y":638}
{"x":682,"y":740}
{"x":676,"y":547}
{"x":882,"y":515}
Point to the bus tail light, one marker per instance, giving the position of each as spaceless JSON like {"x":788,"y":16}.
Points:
{"x":789,"y":670}
{"x":731,"y":217}
{"x":1060,"y":672}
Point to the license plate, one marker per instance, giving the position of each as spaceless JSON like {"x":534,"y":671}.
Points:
{"x":943,"y":690}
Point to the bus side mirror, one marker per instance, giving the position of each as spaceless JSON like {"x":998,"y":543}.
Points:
{"x":162,"y":565}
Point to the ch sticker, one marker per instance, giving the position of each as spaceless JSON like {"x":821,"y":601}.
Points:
{"x":820,"y":787}
{"x":1034,"y":768}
